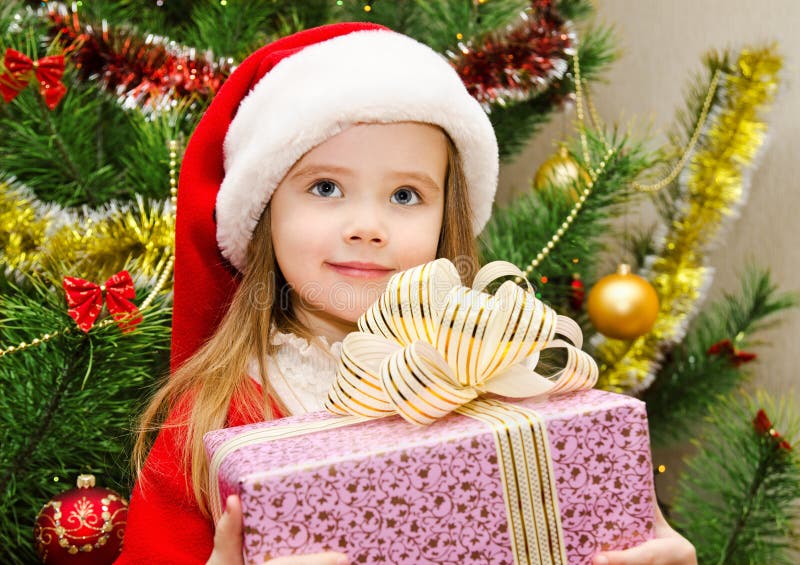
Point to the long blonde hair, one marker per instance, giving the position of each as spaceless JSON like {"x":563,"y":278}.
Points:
{"x":196,"y":398}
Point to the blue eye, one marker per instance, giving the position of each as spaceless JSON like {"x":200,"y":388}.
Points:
{"x":406,"y":197}
{"x":326,"y":189}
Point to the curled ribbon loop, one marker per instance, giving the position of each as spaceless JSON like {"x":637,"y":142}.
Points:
{"x":19,"y":69}
{"x":85,"y":301}
{"x":430,"y":345}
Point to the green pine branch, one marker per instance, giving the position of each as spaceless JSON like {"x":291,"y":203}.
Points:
{"x":66,"y":406}
{"x":574,"y":9}
{"x":233,"y":31}
{"x":517,"y":232}
{"x":89,"y":151}
{"x":516,"y":123}
{"x":737,"y":499}
{"x":437,"y":24}
{"x":635,"y":244}
{"x":444,"y":20}
{"x":403,"y":17}
{"x":148,"y":17}
{"x":236,"y":29}
{"x":70,"y":155}
{"x":228,"y":29}
{"x":691,"y":379}
{"x":20,"y":27}
{"x":146,"y":158}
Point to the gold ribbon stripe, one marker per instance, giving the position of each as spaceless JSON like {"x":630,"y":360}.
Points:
{"x":528,"y":480}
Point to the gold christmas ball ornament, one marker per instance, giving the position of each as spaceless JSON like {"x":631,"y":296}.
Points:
{"x":561,"y":171}
{"x":622,"y":305}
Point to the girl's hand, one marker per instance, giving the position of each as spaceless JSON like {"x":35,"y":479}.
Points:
{"x":667,"y":548}
{"x":228,"y":543}
{"x":228,"y":535}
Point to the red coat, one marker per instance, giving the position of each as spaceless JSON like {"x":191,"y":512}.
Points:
{"x":164,"y":522}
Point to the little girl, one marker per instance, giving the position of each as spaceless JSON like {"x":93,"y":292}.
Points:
{"x":329,"y":160}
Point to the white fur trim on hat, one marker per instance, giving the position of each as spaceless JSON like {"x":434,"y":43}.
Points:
{"x":314,"y":94}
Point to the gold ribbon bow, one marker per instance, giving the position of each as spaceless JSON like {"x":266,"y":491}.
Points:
{"x":430,"y":345}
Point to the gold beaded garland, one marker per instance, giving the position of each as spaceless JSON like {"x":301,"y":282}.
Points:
{"x":594,"y":173}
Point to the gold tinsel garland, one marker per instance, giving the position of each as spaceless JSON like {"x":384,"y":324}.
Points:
{"x":50,"y":242}
{"x":713,"y":190}
{"x":22,"y":227}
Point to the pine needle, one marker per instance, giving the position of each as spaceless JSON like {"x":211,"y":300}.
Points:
{"x":691,"y":379}
{"x":737,"y":500}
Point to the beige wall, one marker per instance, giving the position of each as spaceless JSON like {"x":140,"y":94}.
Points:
{"x":663,"y":42}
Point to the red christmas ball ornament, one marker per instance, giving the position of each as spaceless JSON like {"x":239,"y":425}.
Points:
{"x":82,"y":526}
{"x":577,"y":292}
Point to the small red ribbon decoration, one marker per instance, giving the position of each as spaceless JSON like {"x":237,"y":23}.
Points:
{"x":726,"y":348}
{"x":85,"y":301}
{"x":47,"y":70}
{"x":763,"y":427}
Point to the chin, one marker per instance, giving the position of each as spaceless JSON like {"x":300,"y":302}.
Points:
{"x":348,"y":305}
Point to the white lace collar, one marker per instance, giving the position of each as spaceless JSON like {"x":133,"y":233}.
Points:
{"x":305,"y":347}
{"x":300,"y":371}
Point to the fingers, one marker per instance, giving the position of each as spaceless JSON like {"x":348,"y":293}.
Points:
{"x":666,"y":551}
{"x":668,"y":548}
{"x":662,"y":527}
{"x":229,"y":527}
{"x":328,"y":558}
{"x":228,"y":534}
{"x":639,"y":555}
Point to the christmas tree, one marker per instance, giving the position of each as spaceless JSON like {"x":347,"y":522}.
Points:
{"x":100,"y":97}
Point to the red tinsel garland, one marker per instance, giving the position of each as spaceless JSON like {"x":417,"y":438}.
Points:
{"x":519,"y":64}
{"x":152,"y":72}
{"x":148,"y":72}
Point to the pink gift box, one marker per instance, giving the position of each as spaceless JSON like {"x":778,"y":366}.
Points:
{"x":386,"y":491}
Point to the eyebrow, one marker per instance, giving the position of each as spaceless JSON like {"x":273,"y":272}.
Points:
{"x":421,"y":178}
{"x":314,"y":170}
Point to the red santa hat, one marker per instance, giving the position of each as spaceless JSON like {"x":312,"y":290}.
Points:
{"x":282,"y":101}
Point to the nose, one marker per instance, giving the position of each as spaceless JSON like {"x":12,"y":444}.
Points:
{"x":366,"y":224}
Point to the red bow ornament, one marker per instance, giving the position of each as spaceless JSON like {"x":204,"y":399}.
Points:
{"x":728,"y":349}
{"x":85,"y":301}
{"x":47,"y":70}
{"x":763,"y":427}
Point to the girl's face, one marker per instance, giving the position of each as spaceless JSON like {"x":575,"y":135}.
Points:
{"x":361,"y":206}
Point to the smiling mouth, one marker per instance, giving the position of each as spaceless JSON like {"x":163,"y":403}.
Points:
{"x":359,"y":270}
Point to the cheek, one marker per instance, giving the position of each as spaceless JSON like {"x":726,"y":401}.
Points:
{"x":419,"y":244}
{"x":297,"y":237}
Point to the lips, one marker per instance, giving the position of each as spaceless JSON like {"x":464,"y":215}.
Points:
{"x":361,"y":270}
